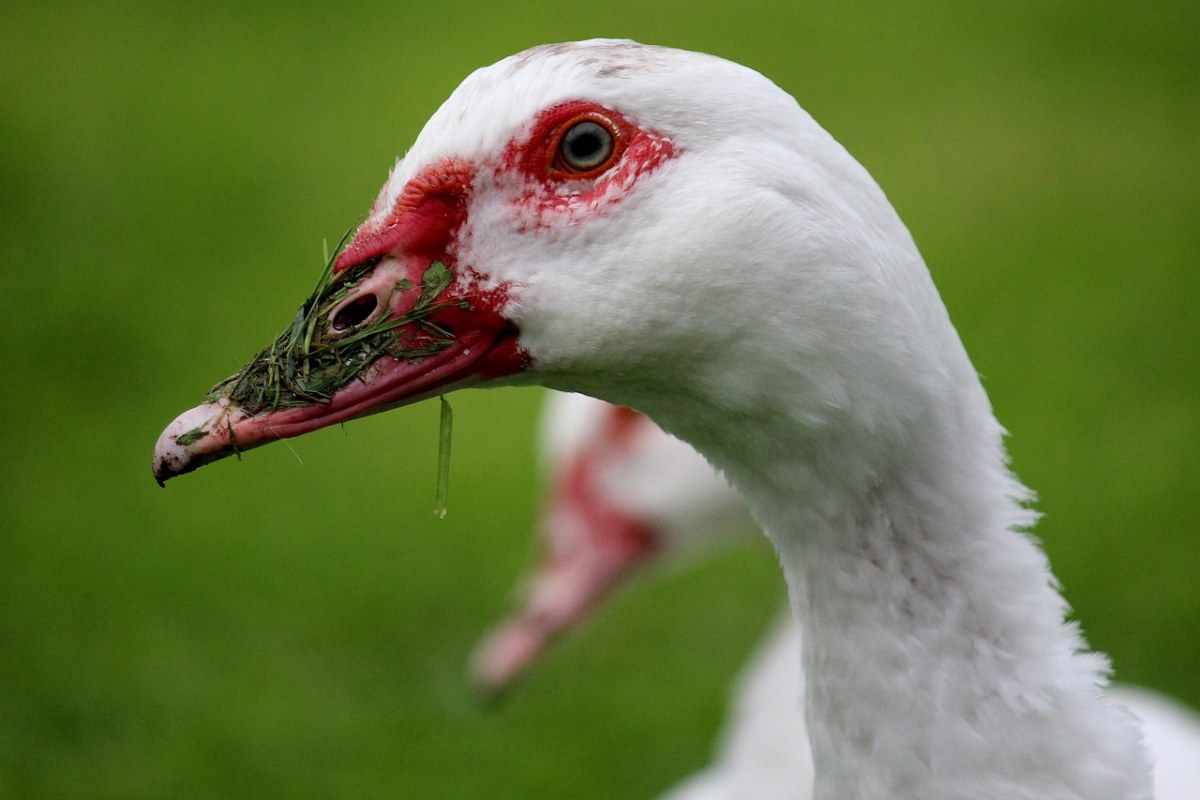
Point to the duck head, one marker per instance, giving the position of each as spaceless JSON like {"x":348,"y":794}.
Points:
{"x":654,"y":227}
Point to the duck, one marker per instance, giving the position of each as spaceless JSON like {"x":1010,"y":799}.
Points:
{"x":609,"y":471}
{"x":671,"y":232}
{"x":619,"y":495}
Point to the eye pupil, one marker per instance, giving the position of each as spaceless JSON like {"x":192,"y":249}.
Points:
{"x":585,"y":146}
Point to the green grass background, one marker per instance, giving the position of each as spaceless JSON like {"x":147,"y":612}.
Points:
{"x":283,"y":629}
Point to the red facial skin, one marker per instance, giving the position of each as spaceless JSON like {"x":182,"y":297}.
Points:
{"x":423,"y":226}
{"x":556,"y":196}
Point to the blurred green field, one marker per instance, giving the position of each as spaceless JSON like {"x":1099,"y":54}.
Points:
{"x":297,"y":625}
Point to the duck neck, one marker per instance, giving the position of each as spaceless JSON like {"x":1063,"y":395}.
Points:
{"x":937,"y":659}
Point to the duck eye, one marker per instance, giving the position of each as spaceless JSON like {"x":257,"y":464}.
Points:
{"x":586,"y":146}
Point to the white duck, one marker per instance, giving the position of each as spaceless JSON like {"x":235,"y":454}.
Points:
{"x":609,"y":472}
{"x":672,"y":232}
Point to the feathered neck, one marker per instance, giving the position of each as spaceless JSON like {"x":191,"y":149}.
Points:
{"x":937,"y":659}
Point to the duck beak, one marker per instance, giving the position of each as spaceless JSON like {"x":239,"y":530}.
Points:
{"x":386,"y":331}
{"x":584,"y":559}
{"x":592,"y":541}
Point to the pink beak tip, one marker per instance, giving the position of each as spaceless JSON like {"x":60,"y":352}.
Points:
{"x":505,"y":655}
{"x":196,"y":437}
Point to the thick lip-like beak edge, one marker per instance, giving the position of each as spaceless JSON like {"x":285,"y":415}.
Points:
{"x":217,"y":429}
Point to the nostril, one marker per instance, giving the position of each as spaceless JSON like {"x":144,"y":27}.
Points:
{"x":354,"y":313}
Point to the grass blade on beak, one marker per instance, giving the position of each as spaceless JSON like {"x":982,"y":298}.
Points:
{"x":443,"y":470}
